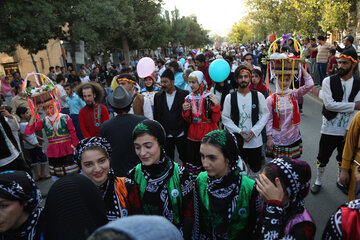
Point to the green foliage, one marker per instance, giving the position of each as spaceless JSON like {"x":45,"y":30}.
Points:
{"x":301,"y":17}
{"x":103,"y":25}
{"x":28,"y":24}
{"x":240,"y":32}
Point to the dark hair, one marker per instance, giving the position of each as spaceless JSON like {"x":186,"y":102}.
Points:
{"x":175,"y":65}
{"x":229,"y":58}
{"x":96,"y":148}
{"x":238,"y":70}
{"x":200,"y":58}
{"x":61,"y":68}
{"x":272,"y":174}
{"x":350,"y":38}
{"x":57,"y":66}
{"x":257,"y":71}
{"x":224,"y":150}
{"x":122,"y":110}
{"x":313,"y":39}
{"x":249,"y":54}
{"x":109,"y":234}
{"x":332,"y":51}
{"x":51,"y":68}
{"x":92,"y":76}
{"x":322,"y":38}
{"x":20,"y":111}
{"x":307,"y":39}
{"x":161,"y":61}
{"x":69,"y":85}
{"x":59,"y":78}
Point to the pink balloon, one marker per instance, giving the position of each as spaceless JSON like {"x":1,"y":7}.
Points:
{"x":145,"y":67}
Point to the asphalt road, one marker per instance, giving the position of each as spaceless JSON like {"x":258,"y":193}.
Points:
{"x":322,"y":205}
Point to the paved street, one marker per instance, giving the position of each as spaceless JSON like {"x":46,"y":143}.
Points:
{"x":321,"y":206}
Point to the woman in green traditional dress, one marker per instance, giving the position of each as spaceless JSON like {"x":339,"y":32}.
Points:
{"x":225,"y":200}
{"x":158,"y":185}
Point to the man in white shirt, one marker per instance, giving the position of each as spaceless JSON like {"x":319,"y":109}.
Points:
{"x":245,"y":113}
{"x":161,"y":67}
{"x":60,"y":81}
{"x":341,"y":102}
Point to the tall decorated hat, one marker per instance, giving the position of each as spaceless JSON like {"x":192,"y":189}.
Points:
{"x":44,"y":93}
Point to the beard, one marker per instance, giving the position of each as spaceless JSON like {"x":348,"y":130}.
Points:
{"x":243,"y":84}
{"x":342,"y":72}
{"x":90,"y":105}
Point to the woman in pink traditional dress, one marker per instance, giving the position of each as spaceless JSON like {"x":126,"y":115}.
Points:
{"x":283,"y":134}
{"x":62,"y":138}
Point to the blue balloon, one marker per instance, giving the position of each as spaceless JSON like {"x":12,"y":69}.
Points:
{"x":182,"y":60}
{"x":219,"y":70}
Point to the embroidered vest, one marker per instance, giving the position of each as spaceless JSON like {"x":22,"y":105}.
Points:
{"x":61,"y":131}
{"x":174,"y":191}
{"x":235,"y":115}
{"x":239,"y":216}
{"x":338,"y":93}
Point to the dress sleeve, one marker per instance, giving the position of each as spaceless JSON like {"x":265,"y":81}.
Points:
{"x":309,"y":83}
{"x":273,"y":226}
{"x":186,"y":114}
{"x":269,"y":123}
{"x":70,"y":126}
{"x":216,"y":112}
{"x":33,"y":128}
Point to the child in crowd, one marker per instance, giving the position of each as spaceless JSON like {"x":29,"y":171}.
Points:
{"x":32,"y":146}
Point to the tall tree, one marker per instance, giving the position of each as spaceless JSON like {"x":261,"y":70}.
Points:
{"x":240,"y":32}
{"x":29,"y":24}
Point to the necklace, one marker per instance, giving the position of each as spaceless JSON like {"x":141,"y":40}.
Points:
{"x":97,"y":115}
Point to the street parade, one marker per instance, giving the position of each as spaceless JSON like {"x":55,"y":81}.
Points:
{"x":160,"y":119}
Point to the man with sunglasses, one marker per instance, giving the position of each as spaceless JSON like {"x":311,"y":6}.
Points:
{"x":341,"y":102}
{"x":249,"y":60}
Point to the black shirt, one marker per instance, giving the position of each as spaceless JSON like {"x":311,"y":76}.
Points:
{"x":118,"y":132}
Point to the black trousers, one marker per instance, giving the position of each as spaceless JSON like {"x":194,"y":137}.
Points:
{"x":253,"y":157}
{"x":327,"y":145}
{"x":180,"y":143}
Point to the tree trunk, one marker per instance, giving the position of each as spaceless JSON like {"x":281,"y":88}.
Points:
{"x":352,"y":18}
{"x":125,"y":46}
{"x":34,"y":62}
{"x":72,"y":53}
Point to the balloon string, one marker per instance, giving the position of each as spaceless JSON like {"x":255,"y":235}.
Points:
{"x":267,"y":78}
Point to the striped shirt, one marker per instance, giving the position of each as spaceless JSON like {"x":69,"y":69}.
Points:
{"x":323,"y":53}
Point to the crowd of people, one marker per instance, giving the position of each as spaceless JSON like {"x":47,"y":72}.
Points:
{"x":177,"y":154}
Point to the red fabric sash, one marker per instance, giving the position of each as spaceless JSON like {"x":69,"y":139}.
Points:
{"x":350,"y":223}
{"x":276,"y":113}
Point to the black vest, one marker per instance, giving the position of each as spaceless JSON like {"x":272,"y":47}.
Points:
{"x":235,"y":115}
{"x":170,"y":118}
{"x":338,"y":93}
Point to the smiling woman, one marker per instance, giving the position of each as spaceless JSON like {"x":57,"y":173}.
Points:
{"x":93,"y":157}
